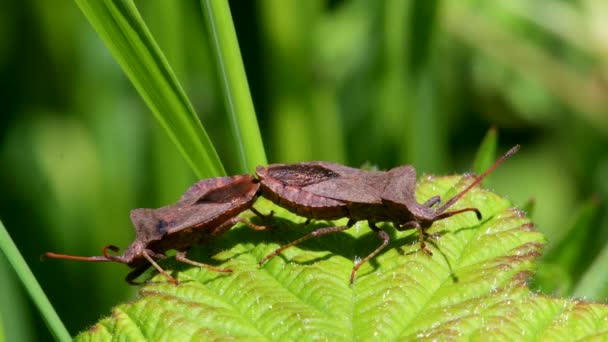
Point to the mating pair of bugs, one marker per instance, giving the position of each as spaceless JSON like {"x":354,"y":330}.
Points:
{"x":315,"y":190}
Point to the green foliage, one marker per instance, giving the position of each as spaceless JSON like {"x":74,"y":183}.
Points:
{"x":10,"y":251}
{"x":566,"y":259}
{"x":385,"y":82}
{"x":236,"y":93}
{"x":13,"y":312}
{"x":592,"y":283}
{"x":486,"y":153}
{"x":124,"y":32}
{"x":473,"y":286}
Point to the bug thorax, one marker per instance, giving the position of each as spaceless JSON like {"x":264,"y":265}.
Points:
{"x":403,"y":213}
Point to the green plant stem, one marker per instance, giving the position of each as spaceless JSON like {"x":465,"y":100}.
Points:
{"x":235,"y":88}
{"x":7,"y":246}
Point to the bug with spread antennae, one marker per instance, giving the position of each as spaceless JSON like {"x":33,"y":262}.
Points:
{"x":207,"y":209}
{"x":324,"y":190}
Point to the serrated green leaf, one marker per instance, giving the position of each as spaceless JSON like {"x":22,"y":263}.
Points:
{"x":124,"y":32}
{"x":473,"y":287}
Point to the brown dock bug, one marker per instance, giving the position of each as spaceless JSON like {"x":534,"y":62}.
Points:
{"x":207,"y":209}
{"x":324,"y":190}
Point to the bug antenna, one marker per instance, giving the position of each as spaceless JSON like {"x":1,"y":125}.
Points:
{"x":478,"y":180}
{"x":104,"y":251}
{"x":75,"y":257}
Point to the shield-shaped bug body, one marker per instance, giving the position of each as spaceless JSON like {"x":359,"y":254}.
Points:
{"x":325,"y":190}
{"x":206,"y":210}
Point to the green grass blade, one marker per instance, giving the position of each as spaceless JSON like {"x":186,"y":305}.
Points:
{"x":235,"y":88}
{"x":570,"y":250}
{"x":529,"y":206}
{"x":486,"y":154}
{"x":7,"y":246}
{"x":14,"y":311}
{"x":122,"y":29}
{"x":567,"y":257}
{"x":593,"y":283}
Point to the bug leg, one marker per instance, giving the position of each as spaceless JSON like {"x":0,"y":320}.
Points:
{"x":250,"y":225}
{"x":421,"y":233}
{"x":181,"y":257}
{"x":118,"y":258}
{"x":435,"y":236}
{"x":146,"y":254}
{"x":105,"y":248}
{"x":385,"y":240}
{"x":435,"y":200}
{"x":405,"y":226}
{"x":260,"y":215}
{"x":313,"y":234}
{"x":231,"y":222}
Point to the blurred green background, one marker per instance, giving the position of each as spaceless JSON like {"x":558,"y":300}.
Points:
{"x":363,"y":81}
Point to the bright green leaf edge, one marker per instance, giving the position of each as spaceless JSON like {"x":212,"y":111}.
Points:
{"x":473,"y":287}
{"x":124,"y":32}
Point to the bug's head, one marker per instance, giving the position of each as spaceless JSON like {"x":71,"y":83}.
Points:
{"x":131,"y":255}
{"x":149,"y":224}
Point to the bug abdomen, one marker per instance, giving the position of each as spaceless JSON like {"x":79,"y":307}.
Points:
{"x":303,"y":203}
